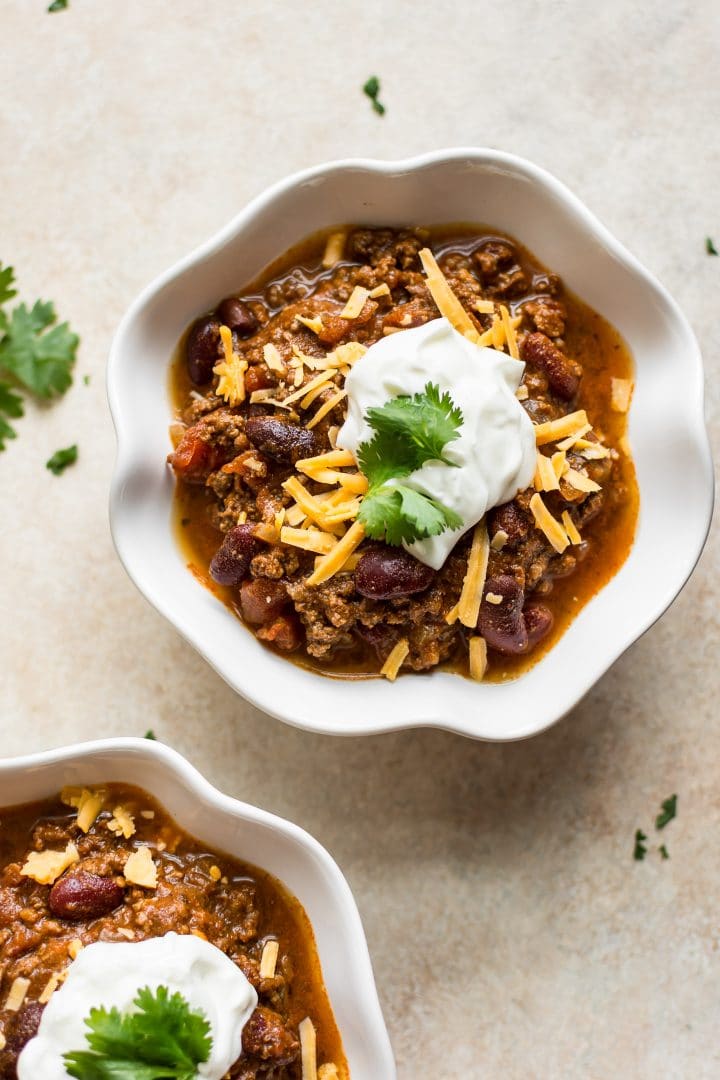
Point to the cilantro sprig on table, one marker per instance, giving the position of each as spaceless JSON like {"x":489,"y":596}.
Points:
{"x":163,"y":1040}
{"x":36,"y":355}
{"x":408,"y":432}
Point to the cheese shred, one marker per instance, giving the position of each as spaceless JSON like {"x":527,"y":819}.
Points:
{"x":356,"y":303}
{"x":446,"y":300}
{"x":474,"y":582}
{"x":394,"y":662}
{"x":548,"y":525}
{"x":477,"y":657}
{"x":337,"y":557}
{"x":308,"y":1049}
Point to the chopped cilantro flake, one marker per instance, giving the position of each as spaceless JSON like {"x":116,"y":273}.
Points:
{"x":58,"y":5}
{"x":663,"y":851}
{"x":710,"y":247}
{"x":640,"y":850}
{"x":60,"y":460}
{"x":667,"y":813}
{"x":372,"y":89}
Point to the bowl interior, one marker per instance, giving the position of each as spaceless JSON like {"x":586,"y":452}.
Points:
{"x":666,"y":432}
{"x":275,"y":845}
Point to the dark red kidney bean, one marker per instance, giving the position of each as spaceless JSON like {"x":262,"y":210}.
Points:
{"x":231,"y":561}
{"x":81,"y":895}
{"x":238,"y":316}
{"x":538,"y":622}
{"x":281,"y":440}
{"x":510,"y":519}
{"x":386,"y":573}
{"x":20,"y":1028}
{"x":502,"y":625}
{"x":563,"y":374}
{"x":262,"y":600}
{"x":201,"y":349}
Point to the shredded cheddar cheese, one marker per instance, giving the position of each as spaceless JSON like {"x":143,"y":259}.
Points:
{"x":446,"y":300}
{"x":545,"y":475}
{"x":552,"y":430}
{"x":122,"y":822}
{"x":356,"y":303}
{"x":89,"y":806}
{"x":474,"y":581}
{"x":484,"y":307}
{"x":570,"y":528}
{"x":45,"y":867}
{"x":394,"y":662}
{"x":230,"y":371}
{"x":327,"y":407}
{"x":333,"y":459}
{"x":580,"y":481}
{"x":17,"y":993}
{"x":315,"y":324}
{"x":321,"y":543}
{"x":499,"y":540}
{"x":477,"y":658}
{"x":333,"y":562}
{"x":509,"y":333}
{"x":621,"y":393}
{"x":380,"y":290}
{"x":140,"y":868}
{"x":334,"y":249}
{"x":268,"y":960}
{"x":547,"y":524}
{"x":272,"y":357}
{"x":308,"y":1049}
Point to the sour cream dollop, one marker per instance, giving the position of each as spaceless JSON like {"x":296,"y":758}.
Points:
{"x":111,"y":973}
{"x":495,"y":452}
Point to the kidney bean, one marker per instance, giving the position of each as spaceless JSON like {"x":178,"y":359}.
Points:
{"x":81,"y":895}
{"x":231,"y":561}
{"x":201,"y":349}
{"x":502,"y":625}
{"x":510,"y":519}
{"x":281,"y":440}
{"x":19,"y":1029}
{"x":237,"y":315}
{"x":538,"y":622}
{"x":262,"y":600}
{"x":386,"y":573}
{"x":563,"y":374}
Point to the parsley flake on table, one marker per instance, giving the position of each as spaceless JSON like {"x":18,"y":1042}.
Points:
{"x":36,"y":355}
{"x":150,"y":734}
{"x":710,"y":247}
{"x":667,"y":812}
{"x":640,"y":850}
{"x":372,"y":89}
{"x":58,"y":5}
{"x":664,"y":852}
{"x":163,"y":1040}
{"x":60,"y":460}
{"x":408,"y":432}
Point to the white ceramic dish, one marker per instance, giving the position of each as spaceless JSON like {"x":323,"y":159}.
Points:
{"x":248,"y":833}
{"x":666,"y":430}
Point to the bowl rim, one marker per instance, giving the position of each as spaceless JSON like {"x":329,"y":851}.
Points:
{"x":191,"y":782}
{"x":381,"y":722}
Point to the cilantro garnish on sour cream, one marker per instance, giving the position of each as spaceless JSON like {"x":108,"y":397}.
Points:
{"x":409,"y":430}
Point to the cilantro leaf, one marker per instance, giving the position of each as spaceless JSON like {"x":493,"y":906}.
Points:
{"x":61,"y":459}
{"x":419,"y":427}
{"x":7,"y":280}
{"x":408,"y":432}
{"x":163,"y":1040}
{"x":372,"y":89}
{"x":640,"y":850}
{"x":11,"y":404}
{"x":667,"y":813}
{"x":40,"y":358}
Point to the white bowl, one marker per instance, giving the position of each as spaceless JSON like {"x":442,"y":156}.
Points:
{"x":666,"y":430}
{"x":252,"y":835}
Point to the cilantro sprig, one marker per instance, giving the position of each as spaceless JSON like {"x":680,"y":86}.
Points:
{"x":163,"y":1040}
{"x":408,"y":432}
{"x":36,"y":354}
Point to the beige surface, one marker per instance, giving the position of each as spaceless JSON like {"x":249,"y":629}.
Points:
{"x":511,"y":932}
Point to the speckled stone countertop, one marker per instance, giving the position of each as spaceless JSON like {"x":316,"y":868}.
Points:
{"x":511,"y":931}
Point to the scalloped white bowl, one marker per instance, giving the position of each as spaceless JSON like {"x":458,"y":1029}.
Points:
{"x":248,"y":833}
{"x":667,"y":433}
